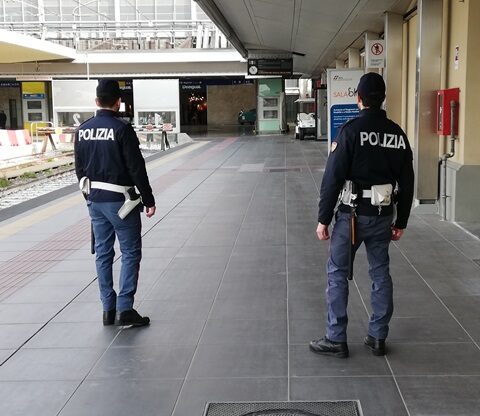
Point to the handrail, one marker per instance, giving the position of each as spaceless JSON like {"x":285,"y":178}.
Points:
{"x":36,"y":130}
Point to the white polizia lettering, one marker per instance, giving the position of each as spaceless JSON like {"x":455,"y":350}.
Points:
{"x":96,"y":134}
{"x":391,"y":141}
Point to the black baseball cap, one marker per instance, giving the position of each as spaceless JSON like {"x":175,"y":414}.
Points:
{"x":108,"y":88}
{"x":371,"y":85}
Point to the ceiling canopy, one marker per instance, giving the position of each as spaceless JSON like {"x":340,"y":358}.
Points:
{"x":315,"y":31}
{"x":16,"y":48}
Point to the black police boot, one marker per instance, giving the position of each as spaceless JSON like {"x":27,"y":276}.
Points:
{"x":326,"y":347}
{"x":131,"y":318}
{"x":377,"y":346}
{"x":108,"y":317}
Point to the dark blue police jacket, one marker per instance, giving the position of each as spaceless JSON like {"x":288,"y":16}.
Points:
{"x":369,"y":150}
{"x":107,"y":150}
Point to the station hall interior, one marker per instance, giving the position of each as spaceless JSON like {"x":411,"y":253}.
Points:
{"x":250,"y":95}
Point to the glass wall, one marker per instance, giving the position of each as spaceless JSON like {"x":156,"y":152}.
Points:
{"x":108,"y":24}
{"x":98,"y":10}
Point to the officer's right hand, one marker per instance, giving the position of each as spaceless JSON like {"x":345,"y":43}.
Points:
{"x":322,"y":232}
{"x":150,"y":211}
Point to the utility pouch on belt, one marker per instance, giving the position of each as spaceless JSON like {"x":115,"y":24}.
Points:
{"x":132,"y":199}
{"x":379,"y":195}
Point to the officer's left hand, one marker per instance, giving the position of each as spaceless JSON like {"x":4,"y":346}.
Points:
{"x":322,"y":232}
{"x":396,"y":233}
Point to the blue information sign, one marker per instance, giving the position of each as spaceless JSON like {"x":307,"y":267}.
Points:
{"x":340,"y":114}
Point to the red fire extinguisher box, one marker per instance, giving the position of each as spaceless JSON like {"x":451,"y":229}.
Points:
{"x":444,"y":100}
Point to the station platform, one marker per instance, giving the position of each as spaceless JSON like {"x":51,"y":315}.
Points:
{"x":233,"y":279}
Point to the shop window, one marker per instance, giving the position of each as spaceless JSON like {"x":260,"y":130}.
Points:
{"x":270,"y":102}
{"x":156,"y":118}
{"x":34,"y":105}
{"x":270,"y":114}
{"x":73,"y":118}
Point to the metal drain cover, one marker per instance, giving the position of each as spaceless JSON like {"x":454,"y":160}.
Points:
{"x":327,"y":408}
{"x":283,"y":170}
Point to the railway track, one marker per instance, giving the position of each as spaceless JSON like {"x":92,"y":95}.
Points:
{"x":42,"y":185}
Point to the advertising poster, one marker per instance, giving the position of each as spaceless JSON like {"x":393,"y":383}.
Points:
{"x":341,"y":98}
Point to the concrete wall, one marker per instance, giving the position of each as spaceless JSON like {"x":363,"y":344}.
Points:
{"x":464,"y":168}
{"x":225,"y":101}
{"x":471,"y":148}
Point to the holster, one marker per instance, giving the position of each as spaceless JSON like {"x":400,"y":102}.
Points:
{"x":84,"y":186}
{"x":132,"y":199}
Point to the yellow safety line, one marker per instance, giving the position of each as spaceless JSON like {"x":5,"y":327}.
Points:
{"x":45,"y":213}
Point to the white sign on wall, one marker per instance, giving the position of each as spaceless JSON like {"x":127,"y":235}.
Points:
{"x":375,"y":53}
{"x":341,"y":98}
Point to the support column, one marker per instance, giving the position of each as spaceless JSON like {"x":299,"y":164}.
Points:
{"x":339,"y":63}
{"x":429,"y":49}
{"x":393,"y":65}
{"x":117,"y":17}
{"x":353,"y":58}
{"x":370,"y":36}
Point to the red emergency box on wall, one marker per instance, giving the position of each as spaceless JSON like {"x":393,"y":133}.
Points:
{"x":444,"y":99}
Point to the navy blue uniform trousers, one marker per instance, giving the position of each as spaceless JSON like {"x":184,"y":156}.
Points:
{"x":375,"y":232}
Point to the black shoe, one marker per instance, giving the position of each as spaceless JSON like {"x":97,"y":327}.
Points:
{"x":109,"y":317}
{"x":327,"y":347}
{"x":131,"y":318}
{"x":376,"y":345}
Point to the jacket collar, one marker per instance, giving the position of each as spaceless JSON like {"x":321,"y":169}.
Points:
{"x":377,"y":112}
{"x":105,"y":112}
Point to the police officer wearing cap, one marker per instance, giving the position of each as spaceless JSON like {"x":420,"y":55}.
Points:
{"x":108,"y":159}
{"x":370,"y":157}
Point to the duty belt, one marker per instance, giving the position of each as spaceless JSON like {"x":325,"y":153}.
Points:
{"x":132,"y":198}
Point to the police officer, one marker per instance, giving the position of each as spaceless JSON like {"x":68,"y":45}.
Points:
{"x":3,"y":119}
{"x":369,"y":150}
{"x":109,"y":163}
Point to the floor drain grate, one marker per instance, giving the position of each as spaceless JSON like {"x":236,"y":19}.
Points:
{"x":283,"y":169}
{"x":326,"y":408}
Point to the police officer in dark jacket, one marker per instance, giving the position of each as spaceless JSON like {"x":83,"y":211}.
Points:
{"x":109,"y":164}
{"x":369,"y":158}
{"x":3,"y":119}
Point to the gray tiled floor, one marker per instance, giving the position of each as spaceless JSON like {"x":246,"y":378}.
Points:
{"x":233,"y":279}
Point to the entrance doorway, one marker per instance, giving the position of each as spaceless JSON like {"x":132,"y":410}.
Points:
{"x":12,"y":113}
{"x":193,"y":104}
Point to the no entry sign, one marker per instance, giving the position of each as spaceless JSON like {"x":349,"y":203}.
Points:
{"x":375,"y":53}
